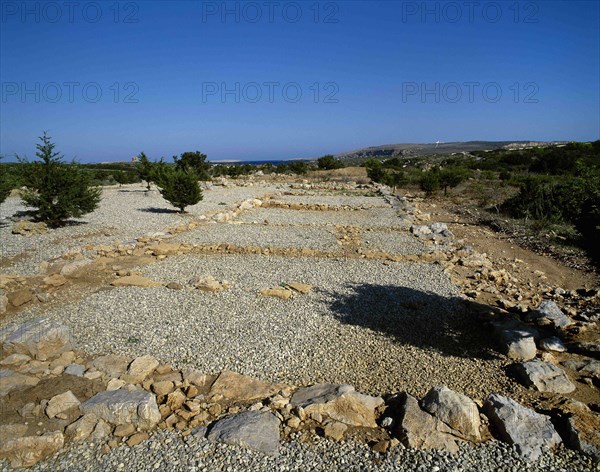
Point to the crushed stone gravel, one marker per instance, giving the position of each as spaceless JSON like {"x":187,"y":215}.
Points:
{"x":382,"y":328}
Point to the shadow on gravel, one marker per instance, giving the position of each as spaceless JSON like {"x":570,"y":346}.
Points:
{"x":158,"y":210}
{"x":450,"y":326}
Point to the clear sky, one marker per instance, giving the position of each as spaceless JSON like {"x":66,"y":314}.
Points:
{"x":278,"y":79}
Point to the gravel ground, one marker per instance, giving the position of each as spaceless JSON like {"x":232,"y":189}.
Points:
{"x":374,"y":201}
{"x":374,"y":218}
{"x":262,"y":236}
{"x":167,"y":451}
{"x":382,"y":328}
{"x":124,"y":213}
{"x":399,"y":243}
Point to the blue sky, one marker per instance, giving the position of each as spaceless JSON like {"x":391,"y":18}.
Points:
{"x":258,"y":81}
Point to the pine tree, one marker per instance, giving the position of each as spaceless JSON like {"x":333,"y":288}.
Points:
{"x":194,"y":162}
{"x":5,"y":183}
{"x":180,"y":188}
{"x":145,"y":169}
{"x":57,"y":190}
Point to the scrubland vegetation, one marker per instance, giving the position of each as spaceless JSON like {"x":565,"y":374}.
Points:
{"x":552,"y":191}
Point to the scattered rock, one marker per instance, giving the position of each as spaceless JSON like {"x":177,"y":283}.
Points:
{"x":55,"y":280}
{"x":335,"y":430}
{"x":61,"y":403}
{"x":10,"y":381}
{"x":421,"y":231}
{"x":3,"y":302}
{"x":300,"y":288}
{"x":544,"y":376}
{"x":75,"y":369}
{"x":137,"y":438}
{"x":120,"y":407}
{"x":29,"y":228}
{"x":81,"y":429}
{"x":381,"y":446}
{"x":233,"y":386}
{"x":15,"y":360}
{"x":586,"y":367}
{"x":102,"y":431}
{"x":552,"y":344}
{"x":456,"y":410}
{"x":531,"y":432}
{"x":252,"y":429}
{"x":140,"y":369}
{"x":165,"y":249}
{"x":112,"y":365}
{"x":548,"y":313}
{"x":198,"y":378}
{"x":176,"y":399}
{"x":71,"y":269}
{"x":517,"y":340}
{"x":418,"y":429}
{"x":41,"y":338}
{"x":277,"y":292}
{"x":135,"y":281}
{"x":20,"y":297}
{"x":29,"y":450}
{"x":338,"y":402}
{"x":124,"y":430}
{"x":207,"y":283}
{"x":163,"y":388}
{"x":115,"y":384}
{"x":63,"y":360}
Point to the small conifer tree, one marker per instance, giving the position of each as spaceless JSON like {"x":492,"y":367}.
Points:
{"x":180,"y":188}
{"x":57,"y":190}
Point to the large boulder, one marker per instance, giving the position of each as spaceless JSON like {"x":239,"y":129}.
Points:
{"x":544,"y":376}
{"x":339,"y":402}
{"x":29,"y":450}
{"x":549,"y":314}
{"x":529,"y":431}
{"x":233,"y":386}
{"x":40,"y":338}
{"x":118,"y":407}
{"x":454,"y":409}
{"x":252,"y":429}
{"x":418,"y":429}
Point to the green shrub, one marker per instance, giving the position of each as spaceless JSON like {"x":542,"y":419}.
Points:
{"x":298,"y":167}
{"x":194,"y":162}
{"x":329,"y":162}
{"x":452,"y":177}
{"x":572,"y":200}
{"x":6,"y":182}
{"x":179,"y":187}
{"x":430,"y":181}
{"x":57,"y":190}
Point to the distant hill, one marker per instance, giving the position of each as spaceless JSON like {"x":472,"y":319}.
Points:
{"x":411,"y":150}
